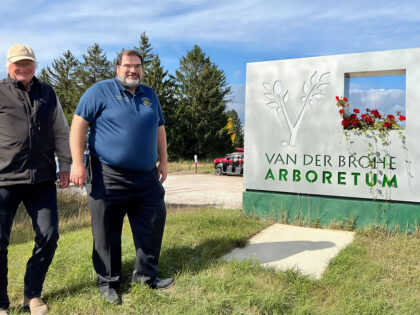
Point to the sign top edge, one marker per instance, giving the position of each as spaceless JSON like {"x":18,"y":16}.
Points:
{"x":391,"y":51}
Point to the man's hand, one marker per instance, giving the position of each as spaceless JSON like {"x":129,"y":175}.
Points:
{"x":162,"y":171}
{"x":78,"y":175}
{"x":78,"y":131}
{"x":64,"y":179}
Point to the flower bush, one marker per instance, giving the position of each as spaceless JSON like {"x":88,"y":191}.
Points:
{"x":371,"y":119}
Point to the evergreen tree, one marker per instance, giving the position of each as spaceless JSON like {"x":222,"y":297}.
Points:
{"x":164,"y":86}
{"x":202,"y":92}
{"x":234,"y":128}
{"x":157,"y":77}
{"x":43,"y":76}
{"x":95,"y":67}
{"x":146,"y":50}
{"x":63,"y":77}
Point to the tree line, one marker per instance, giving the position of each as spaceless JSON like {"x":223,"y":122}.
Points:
{"x":193,"y":100}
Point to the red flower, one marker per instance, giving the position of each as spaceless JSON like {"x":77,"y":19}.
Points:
{"x":355,"y":122}
{"x":356,"y":110}
{"x":341,"y":111}
{"x":387,"y":125}
{"x":363,"y":116}
{"x":375,"y":113}
{"x":345,"y":99}
{"x":390,"y":117}
{"x":402,"y":118}
{"x":367,"y":110}
{"x":345,"y":123}
{"x":337,"y":98}
{"x":368,"y":120}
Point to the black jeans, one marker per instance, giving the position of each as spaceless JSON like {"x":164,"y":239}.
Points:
{"x":113,"y":193}
{"x":40,"y":201}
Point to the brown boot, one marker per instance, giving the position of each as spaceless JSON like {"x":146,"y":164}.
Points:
{"x":36,"y":306}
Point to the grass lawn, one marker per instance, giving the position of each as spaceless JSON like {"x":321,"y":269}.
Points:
{"x":378,"y":274}
{"x":187,"y":167}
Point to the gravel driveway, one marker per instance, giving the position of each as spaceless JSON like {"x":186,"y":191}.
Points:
{"x":199,"y":189}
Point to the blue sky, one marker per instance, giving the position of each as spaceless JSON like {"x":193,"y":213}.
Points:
{"x":232,"y":32}
{"x":385,"y":93}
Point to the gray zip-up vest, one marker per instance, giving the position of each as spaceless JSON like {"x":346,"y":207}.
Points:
{"x":26,"y":132}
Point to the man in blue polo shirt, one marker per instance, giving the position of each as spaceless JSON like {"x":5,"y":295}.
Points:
{"x":126,"y":139}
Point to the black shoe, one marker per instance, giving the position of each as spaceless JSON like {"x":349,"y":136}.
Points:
{"x":110,"y":294}
{"x":162,"y":284}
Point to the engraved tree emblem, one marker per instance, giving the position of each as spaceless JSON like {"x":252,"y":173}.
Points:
{"x":278,"y":97}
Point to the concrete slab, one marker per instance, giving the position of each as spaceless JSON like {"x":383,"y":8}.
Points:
{"x":285,"y":247}
{"x":203,"y":190}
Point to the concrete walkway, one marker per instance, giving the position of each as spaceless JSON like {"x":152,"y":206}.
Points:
{"x":287,"y":247}
{"x":280,"y":246}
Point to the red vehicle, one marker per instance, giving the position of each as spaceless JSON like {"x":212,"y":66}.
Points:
{"x":231,"y":164}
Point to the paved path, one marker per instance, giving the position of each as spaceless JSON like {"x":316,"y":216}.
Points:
{"x":199,"y":189}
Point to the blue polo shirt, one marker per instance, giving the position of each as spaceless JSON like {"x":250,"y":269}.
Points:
{"x":123,"y":127}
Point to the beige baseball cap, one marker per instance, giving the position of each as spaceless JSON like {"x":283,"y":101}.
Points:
{"x":19,"y":52}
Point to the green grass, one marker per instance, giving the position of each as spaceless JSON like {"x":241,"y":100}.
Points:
{"x":73,"y":214}
{"x":187,"y":167}
{"x":379,"y":273}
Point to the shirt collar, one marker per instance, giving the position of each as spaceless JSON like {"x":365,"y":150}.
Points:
{"x":33,"y":84}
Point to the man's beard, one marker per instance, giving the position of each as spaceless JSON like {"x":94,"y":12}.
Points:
{"x":129,"y":83}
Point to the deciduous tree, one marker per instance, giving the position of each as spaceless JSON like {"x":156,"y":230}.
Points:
{"x":234,"y":128}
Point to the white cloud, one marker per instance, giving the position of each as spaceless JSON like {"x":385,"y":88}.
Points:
{"x":247,"y":30}
{"x":238,"y":93}
{"x":228,"y":21}
{"x":386,"y":101}
{"x":238,"y":100}
{"x":240,"y":109}
{"x":238,"y":73}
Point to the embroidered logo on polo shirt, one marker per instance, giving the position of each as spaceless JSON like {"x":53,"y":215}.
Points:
{"x":122,"y":98}
{"x":146,"y":101}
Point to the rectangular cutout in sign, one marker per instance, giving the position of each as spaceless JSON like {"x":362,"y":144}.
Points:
{"x":374,"y":100}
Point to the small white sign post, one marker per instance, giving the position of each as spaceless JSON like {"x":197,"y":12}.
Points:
{"x":195,"y":163}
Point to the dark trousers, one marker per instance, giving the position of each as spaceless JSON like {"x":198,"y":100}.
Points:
{"x":40,"y":201}
{"x":113,"y":193}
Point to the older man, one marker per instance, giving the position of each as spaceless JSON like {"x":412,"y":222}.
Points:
{"x":126,"y":139}
{"x":32,"y":128}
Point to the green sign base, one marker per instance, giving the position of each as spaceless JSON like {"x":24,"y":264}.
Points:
{"x":331,"y":211}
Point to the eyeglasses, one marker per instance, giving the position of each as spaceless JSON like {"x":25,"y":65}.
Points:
{"x":136,"y":67}
{"x":24,"y":63}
